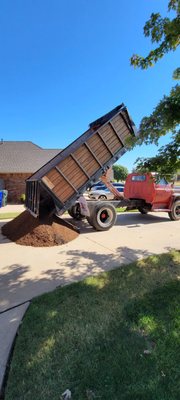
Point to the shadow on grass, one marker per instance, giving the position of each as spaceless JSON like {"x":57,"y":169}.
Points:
{"x":17,"y":285}
{"x":90,"y":337}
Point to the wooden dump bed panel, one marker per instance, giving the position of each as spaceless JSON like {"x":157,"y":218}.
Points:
{"x":69,"y":173}
{"x":68,"y":176}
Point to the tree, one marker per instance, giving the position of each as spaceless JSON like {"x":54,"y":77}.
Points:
{"x":166,"y":115}
{"x":120,"y":172}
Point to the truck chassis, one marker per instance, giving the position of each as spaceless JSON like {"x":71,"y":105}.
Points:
{"x":103,"y":213}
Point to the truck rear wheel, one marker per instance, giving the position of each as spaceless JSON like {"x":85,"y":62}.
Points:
{"x":75,"y":212}
{"x":143,"y":210}
{"x":103,"y":217}
{"x":174,"y":214}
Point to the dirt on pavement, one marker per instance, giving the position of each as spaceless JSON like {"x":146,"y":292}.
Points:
{"x":29,"y":231}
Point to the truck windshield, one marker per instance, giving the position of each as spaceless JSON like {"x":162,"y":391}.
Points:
{"x":161,"y":181}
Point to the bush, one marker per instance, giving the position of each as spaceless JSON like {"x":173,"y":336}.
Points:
{"x":23,"y":198}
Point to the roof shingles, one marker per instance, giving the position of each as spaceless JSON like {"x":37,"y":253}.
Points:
{"x":22,"y":157}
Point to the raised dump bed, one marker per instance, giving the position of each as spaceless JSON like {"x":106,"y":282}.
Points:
{"x":65,"y":178}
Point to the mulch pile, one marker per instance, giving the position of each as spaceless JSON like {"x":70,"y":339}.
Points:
{"x":29,"y":231}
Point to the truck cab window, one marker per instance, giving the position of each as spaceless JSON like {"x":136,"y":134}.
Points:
{"x":138,"y":178}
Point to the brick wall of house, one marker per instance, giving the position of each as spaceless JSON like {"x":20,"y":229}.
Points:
{"x":15,"y":184}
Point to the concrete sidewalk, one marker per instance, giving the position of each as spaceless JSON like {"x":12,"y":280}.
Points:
{"x":12,"y":208}
{"x":26,"y":272}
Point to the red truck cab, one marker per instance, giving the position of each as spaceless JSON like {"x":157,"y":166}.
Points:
{"x":156,"y":193}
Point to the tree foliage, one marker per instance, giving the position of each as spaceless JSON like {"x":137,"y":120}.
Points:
{"x":120,"y":173}
{"x":166,"y":163}
{"x":165,"y":118}
{"x":164,"y":31}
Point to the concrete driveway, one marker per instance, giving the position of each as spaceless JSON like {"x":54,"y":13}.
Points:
{"x":26,"y":272}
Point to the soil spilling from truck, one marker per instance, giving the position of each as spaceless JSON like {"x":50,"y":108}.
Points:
{"x":29,"y":231}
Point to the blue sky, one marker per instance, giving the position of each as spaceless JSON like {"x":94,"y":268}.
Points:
{"x":65,"y":63}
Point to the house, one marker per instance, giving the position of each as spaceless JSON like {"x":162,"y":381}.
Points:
{"x":19,"y":160}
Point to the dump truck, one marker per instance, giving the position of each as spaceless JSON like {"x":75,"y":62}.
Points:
{"x":145,"y":192}
{"x":57,"y":185}
{"x":151,"y":192}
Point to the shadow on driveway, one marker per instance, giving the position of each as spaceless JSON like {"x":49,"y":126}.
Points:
{"x":130,"y":220}
{"x":17,"y":287}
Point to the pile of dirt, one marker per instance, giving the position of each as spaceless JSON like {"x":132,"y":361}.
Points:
{"x":29,"y":231}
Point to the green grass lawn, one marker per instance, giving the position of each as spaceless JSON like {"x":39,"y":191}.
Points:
{"x":11,"y":215}
{"x":123,"y":209}
{"x":111,"y":337}
{"x":8,"y":215}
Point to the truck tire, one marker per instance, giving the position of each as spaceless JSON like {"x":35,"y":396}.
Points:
{"x":89,"y":220}
{"x":103,"y":217}
{"x":75,"y":212}
{"x":143,"y":210}
{"x":174,"y":214}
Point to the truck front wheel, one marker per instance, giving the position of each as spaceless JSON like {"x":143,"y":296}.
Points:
{"x":103,"y":217}
{"x":174,"y":214}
